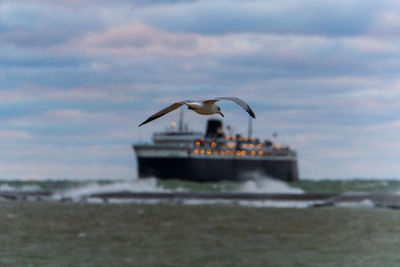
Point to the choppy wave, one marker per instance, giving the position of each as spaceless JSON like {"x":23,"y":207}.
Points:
{"x":261,"y":183}
{"x":145,"y":185}
{"x":254,"y":204}
{"x":21,"y":188}
{"x":197,"y":202}
{"x":83,"y":190}
{"x":268,"y":185}
{"x":366,"y":203}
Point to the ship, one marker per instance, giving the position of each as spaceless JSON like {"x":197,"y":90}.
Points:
{"x":180,"y":153}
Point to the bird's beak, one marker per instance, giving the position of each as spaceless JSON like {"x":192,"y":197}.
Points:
{"x":220,"y":113}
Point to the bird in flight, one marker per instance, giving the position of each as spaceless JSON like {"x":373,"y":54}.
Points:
{"x":203,"y":107}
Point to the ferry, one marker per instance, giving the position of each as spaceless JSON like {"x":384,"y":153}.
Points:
{"x":213,"y":156}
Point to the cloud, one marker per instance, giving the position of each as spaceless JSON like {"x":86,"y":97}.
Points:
{"x":77,"y":77}
{"x":14,"y":135}
{"x":330,"y":18}
{"x":77,"y":4}
{"x":35,"y":26}
{"x":386,"y":24}
{"x":138,"y":39}
{"x":92,"y":51}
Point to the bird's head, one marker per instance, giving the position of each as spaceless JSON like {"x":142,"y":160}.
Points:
{"x":219,"y":111}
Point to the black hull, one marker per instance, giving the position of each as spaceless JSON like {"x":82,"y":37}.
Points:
{"x":213,"y":170}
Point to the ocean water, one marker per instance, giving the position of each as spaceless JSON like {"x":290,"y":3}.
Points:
{"x":50,"y":232}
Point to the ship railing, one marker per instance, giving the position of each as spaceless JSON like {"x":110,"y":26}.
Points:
{"x":238,"y":153}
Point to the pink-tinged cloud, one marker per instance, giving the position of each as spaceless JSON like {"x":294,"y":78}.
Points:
{"x":14,"y":135}
{"x":386,"y":25}
{"x":370,"y":45}
{"x":79,"y":117}
{"x":139,"y":39}
{"x":121,"y":92}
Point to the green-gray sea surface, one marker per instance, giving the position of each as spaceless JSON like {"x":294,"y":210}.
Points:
{"x":76,"y":233}
{"x":90,"y":234}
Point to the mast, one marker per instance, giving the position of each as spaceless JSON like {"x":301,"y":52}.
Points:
{"x":180,"y":126}
{"x":250,"y":129}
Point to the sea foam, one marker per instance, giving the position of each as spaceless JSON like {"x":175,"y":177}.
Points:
{"x":265,"y":184}
{"x":143,"y":185}
{"x":22,"y":188}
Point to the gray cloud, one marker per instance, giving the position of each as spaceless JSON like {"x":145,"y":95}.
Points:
{"x":100,"y":3}
{"x":35,"y":26}
{"x":78,"y":78}
{"x":327,"y":18}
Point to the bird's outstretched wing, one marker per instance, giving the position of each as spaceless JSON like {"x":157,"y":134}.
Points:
{"x":164,"y":111}
{"x":238,"y":101}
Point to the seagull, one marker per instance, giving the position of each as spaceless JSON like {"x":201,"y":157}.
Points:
{"x":203,"y":107}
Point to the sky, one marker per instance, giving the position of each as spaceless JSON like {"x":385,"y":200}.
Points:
{"x":78,"y":77}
